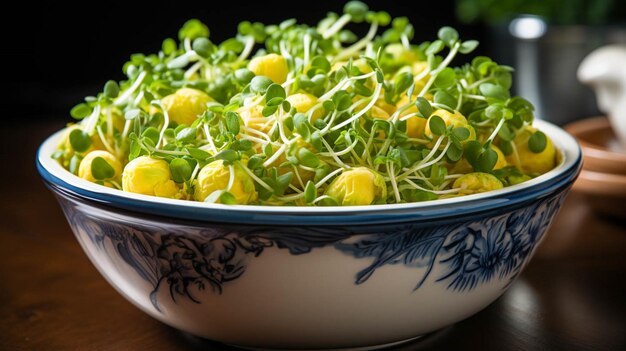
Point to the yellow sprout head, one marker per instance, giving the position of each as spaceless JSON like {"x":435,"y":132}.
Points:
{"x":477,"y":182}
{"x":415,"y":125}
{"x":303,"y":102}
{"x":528,"y":161}
{"x":184,"y":106}
{"x":357,"y":186}
{"x":216,"y":176}
{"x":272,"y":66}
{"x":85,"y":168}
{"x":149,"y":176}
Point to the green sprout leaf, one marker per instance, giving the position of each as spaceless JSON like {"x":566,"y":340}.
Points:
{"x":193,"y":29}
{"x":101,"y":169}
{"x":181,"y":170}
{"x":111,"y":89}
{"x":448,"y":35}
{"x":437,"y":125}
{"x":80,"y":111}
{"x":310,"y":192}
{"x":424,"y":107}
{"x":80,"y":140}
{"x":537,"y":142}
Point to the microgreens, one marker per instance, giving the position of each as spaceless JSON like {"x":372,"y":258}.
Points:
{"x":369,"y":94}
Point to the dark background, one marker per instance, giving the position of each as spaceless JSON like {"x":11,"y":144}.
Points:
{"x":56,"y":55}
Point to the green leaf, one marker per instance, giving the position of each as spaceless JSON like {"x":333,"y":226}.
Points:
{"x":269,"y":110}
{"x":232,"y":122}
{"x":193,"y":29}
{"x":356,"y":9}
{"x":244,"y":75}
{"x":168,"y":46}
{"x":198,"y":154}
{"x":424,"y":107}
{"x":537,"y":142}
{"x":79,"y":140}
{"x":468,"y":46}
{"x":461,"y":133}
{"x":443,"y":98}
{"x":152,"y":134}
{"x":186,"y":135}
{"x":437,"y":125}
{"x":310,"y":192}
{"x":493,"y":91}
{"x":446,"y":78}
{"x":202,"y":46}
{"x":454,"y":153}
{"x":275,"y":91}
{"x":111,"y":89}
{"x":448,"y":35}
{"x":307,"y":158}
{"x":241,"y":145}
{"x":101,"y":169}
{"x":260,"y":84}
{"x":435,"y":47}
{"x":227,"y":155}
{"x":282,"y":182}
{"x":181,"y":170}
{"x":402,"y":82}
{"x":227,"y":198}
{"x":486,"y":161}
{"x":80,"y":111}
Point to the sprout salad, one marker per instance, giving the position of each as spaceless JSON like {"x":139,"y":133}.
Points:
{"x":291,"y":114}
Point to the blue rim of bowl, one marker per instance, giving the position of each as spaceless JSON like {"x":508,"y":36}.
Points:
{"x":549,"y":183}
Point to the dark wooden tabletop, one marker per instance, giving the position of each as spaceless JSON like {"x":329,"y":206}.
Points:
{"x":572,"y":296}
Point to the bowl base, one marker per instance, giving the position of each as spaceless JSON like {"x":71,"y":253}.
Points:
{"x":363,"y":348}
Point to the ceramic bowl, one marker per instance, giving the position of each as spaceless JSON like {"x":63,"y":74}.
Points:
{"x":312,"y":278}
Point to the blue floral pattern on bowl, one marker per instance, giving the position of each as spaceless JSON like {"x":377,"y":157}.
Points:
{"x":469,"y":251}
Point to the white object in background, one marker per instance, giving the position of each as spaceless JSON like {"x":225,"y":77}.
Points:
{"x":605,"y":70}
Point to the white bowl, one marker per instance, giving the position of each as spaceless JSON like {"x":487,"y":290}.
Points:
{"x":311,"y":278}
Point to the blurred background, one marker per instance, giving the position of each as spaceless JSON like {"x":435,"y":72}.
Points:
{"x":56,"y":55}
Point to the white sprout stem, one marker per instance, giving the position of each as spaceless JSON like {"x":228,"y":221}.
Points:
{"x":247,"y":49}
{"x":195,"y":171}
{"x":425,"y":163}
{"x":166,"y":122}
{"x":356,"y":116}
{"x":109,"y":115}
{"x":295,"y":189}
{"x":192,"y":70}
{"x":255,"y":178}
{"x":288,"y":82}
{"x":275,"y":156}
{"x":328,"y":176}
{"x":478,"y":83}
{"x":231,"y":177}
{"x":333,"y":155}
{"x":330,"y":123}
{"x":122,"y":98}
{"x":283,"y":50}
{"x":435,"y":72}
{"x":394,"y":184}
{"x":104,"y":141}
{"x":209,"y":138}
{"x":307,"y":48}
{"x":295,"y":171}
{"x":475,"y":97}
{"x":496,"y":130}
{"x":516,"y":158}
{"x":92,"y":120}
{"x":126,"y":129}
{"x":356,"y":47}
{"x":341,"y":85}
{"x":320,"y":198}
{"x":438,"y":192}
{"x":138,"y":98}
{"x":342,"y":152}
{"x":336,"y":27}
{"x":255,"y":139}
{"x":116,"y":184}
{"x":405,"y":117}
{"x":405,"y":42}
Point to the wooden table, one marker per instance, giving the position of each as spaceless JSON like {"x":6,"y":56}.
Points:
{"x":571,"y":297}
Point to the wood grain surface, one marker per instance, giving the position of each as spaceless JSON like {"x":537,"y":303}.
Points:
{"x":572,"y":296}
